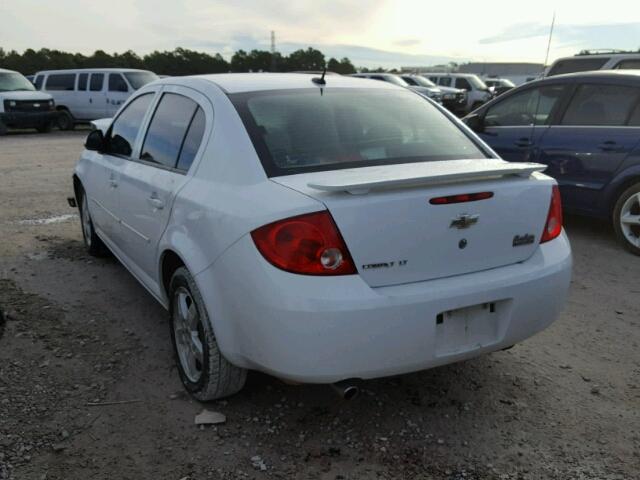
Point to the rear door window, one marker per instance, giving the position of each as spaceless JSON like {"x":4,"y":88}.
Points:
{"x":444,"y":81}
{"x":634,"y":119}
{"x":168,"y":129}
{"x":61,"y":82}
{"x":97,"y":80}
{"x":628,"y":64}
{"x":122,"y":134}
{"x":601,"y":105}
{"x":82,"y":81}
{"x":533,"y":106}
{"x":192,"y":141}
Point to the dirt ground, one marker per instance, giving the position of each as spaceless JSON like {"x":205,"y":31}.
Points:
{"x":562,"y":405}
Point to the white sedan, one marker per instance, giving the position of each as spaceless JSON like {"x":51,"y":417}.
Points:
{"x":320,"y":229}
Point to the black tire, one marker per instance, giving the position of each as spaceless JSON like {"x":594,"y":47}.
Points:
{"x":44,"y":128}
{"x":204,"y":371}
{"x":65,"y":120}
{"x":95,"y":247}
{"x":3,"y":128}
{"x":628,"y":203}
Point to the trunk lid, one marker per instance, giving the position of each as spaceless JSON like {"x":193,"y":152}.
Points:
{"x":395,"y":235}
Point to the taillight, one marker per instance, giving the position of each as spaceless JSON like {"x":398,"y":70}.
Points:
{"x":553,"y":227}
{"x":461,"y":198}
{"x":307,"y":244}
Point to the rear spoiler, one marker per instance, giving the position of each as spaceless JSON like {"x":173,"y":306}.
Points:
{"x":362,"y":180}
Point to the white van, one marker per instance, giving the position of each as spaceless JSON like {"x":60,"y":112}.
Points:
{"x":86,"y":94}
{"x":21,"y":106}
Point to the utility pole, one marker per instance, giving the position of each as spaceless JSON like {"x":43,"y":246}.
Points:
{"x":273,"y":51}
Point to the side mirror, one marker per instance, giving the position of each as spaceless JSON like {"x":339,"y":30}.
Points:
{"x":475,"y":122}
{"x":95,"y":141}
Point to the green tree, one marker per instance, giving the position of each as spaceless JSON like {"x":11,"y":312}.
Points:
{"x":309,"y":59}
{"x":180,"y":61}
{"x":344,"y":66}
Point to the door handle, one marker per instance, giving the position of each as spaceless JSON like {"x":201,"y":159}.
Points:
{"x":113,"y":183}
{"x":91,"y":100}
{"x":608,"y":146}
{"x":155,"y":202}
{"x":523,"y":142}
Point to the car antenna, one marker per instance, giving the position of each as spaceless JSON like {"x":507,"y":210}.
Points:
{"x":321,"y":80}
{"x":544,"y":66}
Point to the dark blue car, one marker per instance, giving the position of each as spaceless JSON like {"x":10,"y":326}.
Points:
{"x":586,"y":128}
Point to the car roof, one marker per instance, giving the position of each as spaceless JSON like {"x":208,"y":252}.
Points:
{"x":75,"y":70}
{"x":603,"y":74}
{"x":449,"y":74}
{"x":600,"y":55}
{"x":7,"y":71}
{"x":251,"y":82}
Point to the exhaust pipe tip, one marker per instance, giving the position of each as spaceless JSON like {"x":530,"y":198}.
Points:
{"x":346,"y":389}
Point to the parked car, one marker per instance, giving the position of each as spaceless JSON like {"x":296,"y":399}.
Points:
{"x":304,"y":229}
{"x":586,"y":128}
{"x":454,"y":99}
{"x":499,"y":85}
{"x":434,"y":93}
{"x":21,"y":106}
{"x":83,"y":95}
{"x":477,"y":92}
{"x":588,"y":60}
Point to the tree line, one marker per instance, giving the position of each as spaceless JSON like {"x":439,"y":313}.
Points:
{"x":180,"y":61}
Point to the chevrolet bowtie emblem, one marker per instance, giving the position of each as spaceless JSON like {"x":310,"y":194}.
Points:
{"x":464,"y":221}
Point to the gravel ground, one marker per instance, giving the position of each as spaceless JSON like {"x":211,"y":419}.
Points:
{"x":80,"y":332}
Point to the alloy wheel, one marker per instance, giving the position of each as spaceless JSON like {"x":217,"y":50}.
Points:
{"x":630,"y":219}
{"x":86,"y":221}
{"x":188,"y":334}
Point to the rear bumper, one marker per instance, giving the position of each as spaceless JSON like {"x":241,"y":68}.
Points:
{"x":27,"y":119}
{"x":322,"y":330}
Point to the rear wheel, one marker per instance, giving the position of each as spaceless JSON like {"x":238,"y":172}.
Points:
{"x":3,"y":128}
{"x":95,"y":247}
{"x":65,"y":120}
{"x":626,"y":219}
{"x":204,"y":372}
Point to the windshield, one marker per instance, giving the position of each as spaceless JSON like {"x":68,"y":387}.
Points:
{"x":395,"y":80}
{"x":14,"y":82}
{"x":423,"y":82}
{"x":140,"y":79}
{"x":476,"y":82}
{"x":296,"y":131}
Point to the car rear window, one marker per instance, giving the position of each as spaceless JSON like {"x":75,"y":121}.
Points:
{"x":297,"y":131}
{"x":572,"y":65}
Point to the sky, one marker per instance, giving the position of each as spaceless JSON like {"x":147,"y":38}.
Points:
{"x":371,"y":33}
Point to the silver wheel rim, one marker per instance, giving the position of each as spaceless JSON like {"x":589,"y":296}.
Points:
{"x":188,"y":334}
{"x":630,"y":219}
{"x":86,"y":221}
